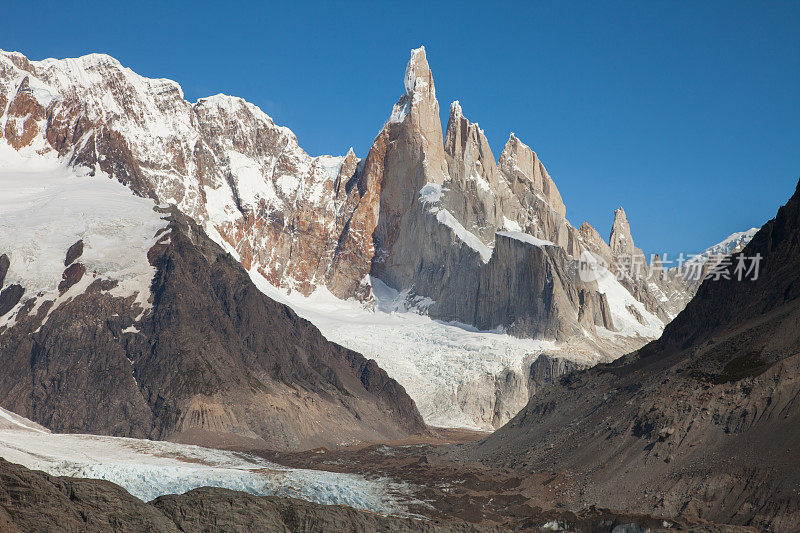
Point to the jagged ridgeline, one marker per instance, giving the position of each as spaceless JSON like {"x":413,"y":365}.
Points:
{"x":434,"y":214}
{"x":464,"y":237}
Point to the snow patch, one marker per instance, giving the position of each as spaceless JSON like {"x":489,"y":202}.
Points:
{"x":524,"y":237}
{"x":511,"y":225}
{"x":400,"y":110}
{"x":620,"y":300}
{"x":467,"y":237}
{"x":45,"y":207}
{"x":431,"y":193}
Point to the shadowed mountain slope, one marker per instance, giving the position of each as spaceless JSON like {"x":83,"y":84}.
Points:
{"x":212,"y":360}
{"x":704,"y":422}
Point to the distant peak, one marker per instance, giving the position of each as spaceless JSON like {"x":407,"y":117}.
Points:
{"x":620,"y":219}
{"x":621,"y":240}
{"x":455,"y":109}
{"x":514,"y":144}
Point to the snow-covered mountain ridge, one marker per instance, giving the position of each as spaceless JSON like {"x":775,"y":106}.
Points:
{"x":221,"y":160}
{"x":731,"y":244}
{"x":121,"y":317}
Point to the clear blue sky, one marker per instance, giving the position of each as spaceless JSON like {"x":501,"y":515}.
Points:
{"x":685,"y":113}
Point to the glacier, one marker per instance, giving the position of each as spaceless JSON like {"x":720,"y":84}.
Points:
{"x":148,"y":469}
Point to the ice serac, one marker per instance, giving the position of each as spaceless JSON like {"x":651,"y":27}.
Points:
{"x":32,"y":501}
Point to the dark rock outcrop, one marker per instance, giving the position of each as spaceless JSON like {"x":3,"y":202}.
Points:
{"x":9,"y":297}
{"x":5,"y":262}
{"x":548,"y":370}
{"x":34,"y":502}
{"x":214,"y":361}
{"x":72,"y":275}
{"x":73,"y":253}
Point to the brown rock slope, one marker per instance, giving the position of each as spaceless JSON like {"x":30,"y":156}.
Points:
{"x":703,"y":423}
{"x":214,"y":361}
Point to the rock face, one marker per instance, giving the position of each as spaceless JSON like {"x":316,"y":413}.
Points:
{"x":5,"y":262}
{"x":10,"y":297}
{"x":701,"y":423}
{"x":211,"y":361}
{"x":460,"y":202}
{"x":547,"y":370}
{"x":421,"y":212}
{"x":431,"y":213}
{"x":34,"y":502}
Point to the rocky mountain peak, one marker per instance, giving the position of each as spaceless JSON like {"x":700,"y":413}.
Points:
{"x":419,"y":77}
{"x":455,"y":109}
{"x":620,"y":240}
{"x":521,"y":166}
{"x":469,"y":154}
{"x":594,"y":242}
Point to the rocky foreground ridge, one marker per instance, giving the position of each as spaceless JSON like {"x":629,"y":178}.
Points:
{"x":470,"y":238}
{"x":32,"y":501}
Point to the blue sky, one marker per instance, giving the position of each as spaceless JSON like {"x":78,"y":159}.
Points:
{"x":685,"y":113}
